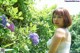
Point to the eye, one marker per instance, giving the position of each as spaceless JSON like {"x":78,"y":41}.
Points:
{"x":55,"y":16}
{"x":59,"y":16}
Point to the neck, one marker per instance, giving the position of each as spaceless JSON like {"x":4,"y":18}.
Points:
{"x":60,"y":27}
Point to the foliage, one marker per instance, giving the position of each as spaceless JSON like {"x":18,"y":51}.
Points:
{"x":26,"y":19}
{"x":75,"y":31}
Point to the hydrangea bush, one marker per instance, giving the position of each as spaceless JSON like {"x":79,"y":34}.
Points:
{"x":26,"y":19}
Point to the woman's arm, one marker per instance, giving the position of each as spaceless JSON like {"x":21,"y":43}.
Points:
{"x":58,"y":36}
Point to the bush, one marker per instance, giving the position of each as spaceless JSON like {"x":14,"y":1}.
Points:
{"x":75,"y":31}
{"x":26,"y":19}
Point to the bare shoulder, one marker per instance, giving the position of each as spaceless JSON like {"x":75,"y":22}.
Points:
{"x":60,"y":33}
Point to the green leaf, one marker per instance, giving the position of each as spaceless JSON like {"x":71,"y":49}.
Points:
{"x":20,"y":13}
{"x":0,"y":19}
{"x":0,"y":1}
{"x":21,"y":18}
{"x":14,"y":0}
{"x":15,"y":10}
{"x":8,"y":45}
{"x":30,"y":24}
{"x":6,"y":2}
{"x":34,"y":27}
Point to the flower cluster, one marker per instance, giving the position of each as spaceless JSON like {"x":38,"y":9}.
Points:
{"x":35,"y":38}
{"x":3,"y":20}
{"x":5,"y":23}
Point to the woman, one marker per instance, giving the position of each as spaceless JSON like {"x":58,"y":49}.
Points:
{"x":61,"y":40}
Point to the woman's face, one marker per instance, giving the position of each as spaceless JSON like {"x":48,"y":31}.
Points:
{"x":58,"y":20}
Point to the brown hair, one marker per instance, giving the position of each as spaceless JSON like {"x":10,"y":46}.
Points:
{"x":65,"y":15}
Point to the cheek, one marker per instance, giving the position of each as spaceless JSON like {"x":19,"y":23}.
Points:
{"x":62,"y":22}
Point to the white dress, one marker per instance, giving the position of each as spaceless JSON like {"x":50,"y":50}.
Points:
{"x":64,"y":47}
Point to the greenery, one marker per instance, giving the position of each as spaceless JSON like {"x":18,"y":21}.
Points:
{"x":28,"y":19}
{"x":74,"y":29}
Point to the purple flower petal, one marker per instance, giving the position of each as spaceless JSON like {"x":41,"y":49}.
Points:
{"x":35,"y":38}
{"x":11,"y":27}
{"x":32,"y":35}
{"x":35,"y":41}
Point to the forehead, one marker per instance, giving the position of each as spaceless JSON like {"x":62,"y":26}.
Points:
{"x":58,"y":12}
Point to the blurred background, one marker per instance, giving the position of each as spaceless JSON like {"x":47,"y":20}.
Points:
{"x":31,"y":17}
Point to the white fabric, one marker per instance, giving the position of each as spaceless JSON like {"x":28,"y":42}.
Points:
{"x":64,"y":47}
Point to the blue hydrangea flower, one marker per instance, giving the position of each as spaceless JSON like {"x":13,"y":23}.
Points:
{"x":10,"y":26}
{"x":3,"y":20}
{"x":35,"y":38}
